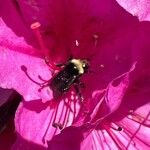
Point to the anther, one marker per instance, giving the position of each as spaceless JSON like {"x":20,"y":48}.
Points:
{"x":24,"y":69}
{"x":116,"y":127}
{"x":77,"y":43}
{"x":119,"y":129}
{"x":96,"y":37}
{"x":35,"y":25}
{"x":134,"y":116}
{"x":102,"y":66}
{"x":57,"y":125}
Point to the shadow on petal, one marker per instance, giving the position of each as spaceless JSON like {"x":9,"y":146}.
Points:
{"x":136,"y":96}
{"x":25,"y":145}
{"x":69,"y":139}
{"x":36,"y":105}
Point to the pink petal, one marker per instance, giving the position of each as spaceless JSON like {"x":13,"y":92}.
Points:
{"x":139,"y":8}
{"x":115,"y":40}
{"x":117,"y":89}
{"x":62,"y":38}
{"x":134,"y":134}
{"x":12,"y":75}
{"x":23,"y":144}
{"x":107,"y":101}
{"x":136,"y":129}
{"x":69,"y":138}
{"x":34,"y":119}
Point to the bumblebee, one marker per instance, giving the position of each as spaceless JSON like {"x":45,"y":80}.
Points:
{"x":69,"y":76}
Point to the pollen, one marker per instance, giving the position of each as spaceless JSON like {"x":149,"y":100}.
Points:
{"x":35,"y":25}
{"x":102,"y":66}
{"x":77,"y":43}
{"x":95,"y":37}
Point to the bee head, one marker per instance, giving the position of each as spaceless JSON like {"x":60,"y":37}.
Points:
{"x":81,"y":65}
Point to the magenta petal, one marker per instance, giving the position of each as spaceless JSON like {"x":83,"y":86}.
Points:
{"x":107,"y":101}
{"x":98,"y":29}
{"x":135,"y":129}
{"x":23,"y":144}
{"x":69,"y":139}
{"x":87,"y":143}
{"x":35,"y":120}
{"x":117,"y":89}
{"x":12,"y":75}
{"x":133,"y":133}
{"x":32,"y":125}
{"x":139,"y":8}
{"x":36,"y":10}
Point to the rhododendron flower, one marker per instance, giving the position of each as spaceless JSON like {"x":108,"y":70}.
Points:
{"x":115,"y":111}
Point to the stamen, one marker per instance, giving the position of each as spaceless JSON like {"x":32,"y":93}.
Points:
{"x":132,"y":135}
{"x":102,"y":66}
{"x":43,"y":139}
{"x":57,"y":125}
{"x":99,"y":137}
{"x":116,"y":127}
{"x":61,"y":119}
{"x":96,"y":37}
{"x":136,"y":117}
{"x":47,"y":53}
{"x":67,"y":113}
{"x":77,"y":43}
{"x":24,"y":69}
{"x":74,"y":109}
{"x":104,"y":139}
{"x":42,"y":85}
{"x":35,"y":27}
{"x":116,"y":140}
{"x":117,"y":57}
{"x":54,"y":124}
{"x":143,"y":120}
{"x":119,"y":129}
